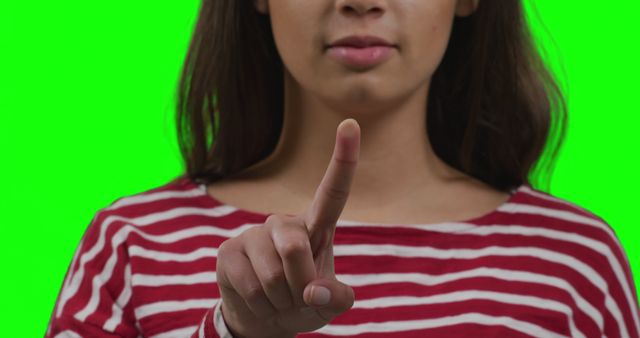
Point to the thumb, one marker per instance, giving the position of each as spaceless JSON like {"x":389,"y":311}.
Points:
{"x":329,"y":297}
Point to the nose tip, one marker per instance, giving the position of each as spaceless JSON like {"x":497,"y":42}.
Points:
{"x":360,"y":7}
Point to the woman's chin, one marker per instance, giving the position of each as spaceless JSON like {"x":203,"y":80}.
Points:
{"x":360,"y":102}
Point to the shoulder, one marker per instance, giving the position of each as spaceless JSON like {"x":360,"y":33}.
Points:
{"x":589,"y":246}
{"x":176,"y":216}
{"x":534,"y":199}
{"x":576,"y":231}
{"x":567,"y":223}
{"x":534,"y":204}
{"x":178,"y":205}
{"x":181,"y":192}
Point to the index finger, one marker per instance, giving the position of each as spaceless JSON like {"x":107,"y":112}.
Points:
{"x":331,"y":195}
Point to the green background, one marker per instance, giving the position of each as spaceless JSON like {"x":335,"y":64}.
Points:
{"x":86,"y":109}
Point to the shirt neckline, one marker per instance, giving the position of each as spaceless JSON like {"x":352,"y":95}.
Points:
{"x":254,"y":216}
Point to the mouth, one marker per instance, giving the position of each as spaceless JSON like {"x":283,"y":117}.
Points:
{"x":360,"y":41}
{"x":360,"y":51}
{"x":360,"y":57}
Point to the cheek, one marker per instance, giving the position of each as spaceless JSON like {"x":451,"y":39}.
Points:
{"x":428,"y":30}
{"x":294,"y":39}
{"x":427,"y":47}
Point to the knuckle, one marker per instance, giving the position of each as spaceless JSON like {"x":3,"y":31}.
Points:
{"x":229,"y":246}
{"x":223,"y":248}
{"x":294,"y":248}
{"x":273,"y":219}
{"x":274,"y":277}
{"x":254,"y":293}
{"x":248,"y":233}
{"x":284,"y":229}
{"x":279,"y":223}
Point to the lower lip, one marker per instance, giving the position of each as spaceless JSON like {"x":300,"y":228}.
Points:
{"x":361,"y":57}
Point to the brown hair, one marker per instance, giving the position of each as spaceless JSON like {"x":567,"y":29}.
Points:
{"x":490,"y":107}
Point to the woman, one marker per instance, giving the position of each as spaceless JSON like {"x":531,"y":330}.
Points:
{"x":443,"y":234}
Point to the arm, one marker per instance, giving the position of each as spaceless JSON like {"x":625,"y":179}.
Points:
{"x":620,"y":306}
{"x":94,"y":298}
{"x":94,"y":301}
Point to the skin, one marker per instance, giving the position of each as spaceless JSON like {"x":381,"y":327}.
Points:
{"x":399,"y":178}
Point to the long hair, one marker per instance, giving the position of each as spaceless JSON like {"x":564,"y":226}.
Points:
{"x":494,"y":111}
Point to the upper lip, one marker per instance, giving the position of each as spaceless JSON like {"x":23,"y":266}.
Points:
{"x":361,"y":41}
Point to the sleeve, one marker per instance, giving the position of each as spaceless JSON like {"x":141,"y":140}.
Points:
{"x":213,"y":325}
{"x":620,"y":306}
{"x":94,"y":298}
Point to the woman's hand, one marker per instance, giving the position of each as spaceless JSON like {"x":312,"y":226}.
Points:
{"x":270,"y":275}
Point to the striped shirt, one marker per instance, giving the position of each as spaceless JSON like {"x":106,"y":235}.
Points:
{"x":537,"y":266}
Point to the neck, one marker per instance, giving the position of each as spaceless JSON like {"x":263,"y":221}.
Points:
{"x":396,"y":160}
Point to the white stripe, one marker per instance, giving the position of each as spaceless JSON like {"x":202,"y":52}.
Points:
{"x":448,"y":227}
{"x":162,"y":256}
{"x":502,"y":274}
{"x":543,"y":196}
{"x":173,"y":306}
{"x":122,"y":301}
{"x":70,"y":291}
{"x":556,"y":257}
{"x":459,"y":296}
{"x":421,"y":324}
{"x":573,"y":217}
{"x":100,"y":279}
{"x":160,"y":280}
{"x":177,"y":333}
{"x":218,"y":322}
{"x":201,"y":330}
{"x":153,"y":197}
{"x":67,"y":334}
{"x":558,"y":214}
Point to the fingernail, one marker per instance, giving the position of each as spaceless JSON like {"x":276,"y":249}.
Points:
{"x":350,"y":131}
{"x":320,"y":295}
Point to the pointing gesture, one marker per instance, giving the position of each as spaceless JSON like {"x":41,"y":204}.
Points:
{"x":331,"y":196}
{"x":278,"y":279}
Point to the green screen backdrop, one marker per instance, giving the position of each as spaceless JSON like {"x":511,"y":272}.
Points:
{"x":86,"y":109}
